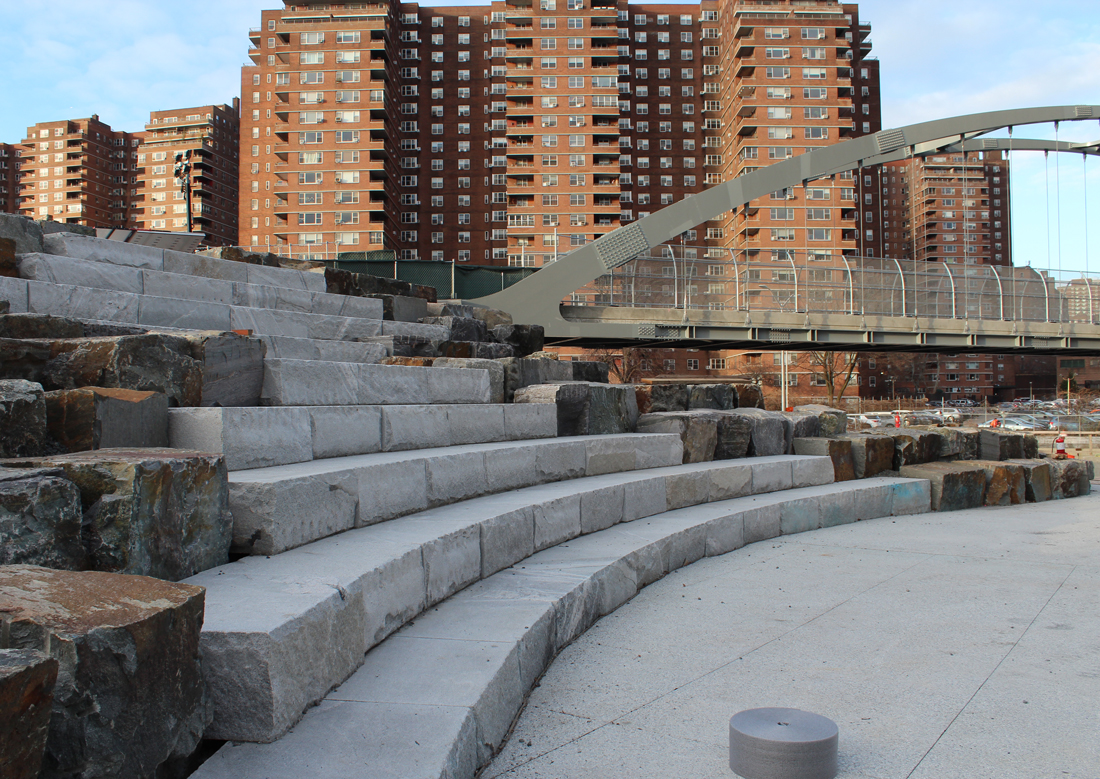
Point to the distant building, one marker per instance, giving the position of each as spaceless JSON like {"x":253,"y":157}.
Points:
{"x":78,"y":171}
{"x":9,"y":178}
{"x":212,"y":134}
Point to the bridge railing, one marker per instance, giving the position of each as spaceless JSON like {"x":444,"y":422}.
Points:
{"x":816,"y":281}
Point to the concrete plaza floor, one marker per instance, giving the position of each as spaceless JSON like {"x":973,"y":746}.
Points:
{"x":962,"y":644}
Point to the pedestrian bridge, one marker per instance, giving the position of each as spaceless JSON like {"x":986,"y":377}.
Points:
{"x":638,"y":285}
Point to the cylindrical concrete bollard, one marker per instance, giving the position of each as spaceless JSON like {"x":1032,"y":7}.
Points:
{"x":783,"y":744}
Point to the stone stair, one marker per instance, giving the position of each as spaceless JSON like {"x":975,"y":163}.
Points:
{"x":438,"y":696}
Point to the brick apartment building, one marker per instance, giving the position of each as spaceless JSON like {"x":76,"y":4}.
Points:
{"x":77,"y":171}
{"x":504,"y":133}
{"x":212,"y":134}
{"x":9,"y":178}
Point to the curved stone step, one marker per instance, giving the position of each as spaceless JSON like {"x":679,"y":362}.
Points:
{"x":281,"y":631}
{"x":266,"y":436}
{"x":398,"y":715}
{"x":285,"y":506}
{"x":141,"y":281}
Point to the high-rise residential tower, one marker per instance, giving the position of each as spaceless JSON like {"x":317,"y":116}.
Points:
{"x":509,"y":132}
{"x":9,"y":178}
{"x":212,"y":134}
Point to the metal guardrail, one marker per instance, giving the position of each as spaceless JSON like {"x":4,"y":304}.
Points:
{"x":702,"y":278}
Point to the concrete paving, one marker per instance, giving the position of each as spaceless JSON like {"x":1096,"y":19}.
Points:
{"x":962,"y":644}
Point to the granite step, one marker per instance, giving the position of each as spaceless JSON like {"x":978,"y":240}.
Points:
{"x":86,"y":303}
{"x":262,"y":437}
{"x":326,"y":351}
{"x":137,"y":256}
{"x":320,"y":383}
{"x":141,"y":281}
{"x":285,"y":506}
{"x":280,"y":632}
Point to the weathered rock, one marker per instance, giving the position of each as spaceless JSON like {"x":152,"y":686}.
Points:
{"x":995,"y":445}
{"x":39,"y":326}
{"x":734,"y":437}
{"x":571,"y":400}
{"x":462,"y":329}
{"x":872,"y":455}
{"x":154,"y":363}
{"x":496,"y":372}
{"x":839,"y":450}
{"x":524,"y":339}
{"x":22,"y":419}
{"x":522,"y":372}
{"x":152,"y":512}
{"x":771,"y":431}
{"x":1029,"y":446}
{"x":913,"y":447}
{"x":103,"y":418}
{"x":713,"y":396}
{"x":957,"y":443}
{"x":9,"y":266}
{"x":1037,"y":481}
{"x":1068,"y":478}
{"x":803,"y":425}
{"x":401,"y":308}
{"x":49,"y":227}
{"x":232,"y":367}
{"x":418,"y":362}
{"x":27,"y":679}
{"x":130,"y":696}
{"x":668,"y":397}
{"x":5,"y":307}
{"x":588,"y":370}
{"x":834,"y":422}
{"x":697,"y":429}
{"x":40,"y":519}
{"x":342,"y":282}
{"x":1005,"y":484}
{"x":955,"y":486}
{"x":449,"y":308}
{"x":26,"y":233}
{"x":749,"y":396}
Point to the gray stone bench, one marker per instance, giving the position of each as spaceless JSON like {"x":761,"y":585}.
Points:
{"x":496,"y":637}
{"x":317,"y":383}
{"x":280,"y":631}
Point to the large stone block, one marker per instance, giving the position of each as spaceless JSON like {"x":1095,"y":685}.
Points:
{"x":457,"y":328}
{"x":1069,"y":478}
{"x":103,"y":418}
{"x":232,"y":367}
{"x":1029,"y":446}
{"x":26,"y":233}
{"x":871,"y":455}
{"x":1037,"y":480}
{"x":833,"y":421}
{"x":1005,"y":483}
{"x":153,"y":512}
{"x":152,"y":362}
{"x":247,"y":437}
{"x":913,"y":447}
{"x":955,"y":486}
{"x":27,"y":680}
{"x":588,"y":370}
{"x":771,"y":431}
{"x":495,"y":369}
{"x":521,"y":372}
{"x":749,"y":396}
{"x":803,"y":424}
{"x":712,"y":396}
{"x":9,"y":266}
{"x":402,"y":308}
{"x":669,"y":397}
{"x":698,"y":430}
{"x":838,"y":450}
{"x":957,"y":443}
{"x":342,"y":282}
{"x":524,"y":339}
{"x":586,"y":408}
{"x":39,"y":326}
{"x":130,"y":699}
{"x":995,"y":445}
{"x":40,"y":519}
{"x":734,"y":435}
{"x":22,"y":419}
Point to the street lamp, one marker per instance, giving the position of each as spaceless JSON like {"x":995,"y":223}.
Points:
{"x":1031,"y":391}
{"x":183,"y":174}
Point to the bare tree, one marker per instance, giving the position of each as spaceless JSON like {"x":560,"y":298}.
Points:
{"x":836,"y":369}
{"x":629,"y":364}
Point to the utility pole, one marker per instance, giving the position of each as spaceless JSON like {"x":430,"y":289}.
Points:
{"x":183,"y":174}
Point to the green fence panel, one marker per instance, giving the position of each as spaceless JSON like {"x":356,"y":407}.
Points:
{"x":470,"y":281}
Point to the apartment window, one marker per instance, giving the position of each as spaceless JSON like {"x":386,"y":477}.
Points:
{"x":815,"y":93}
{"x":813,"y":33}
{"x":312,"y":38}
{"x":775,"y":72}
{"x":819,"y":234}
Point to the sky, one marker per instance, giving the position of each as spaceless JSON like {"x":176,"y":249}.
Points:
{"x":121,"y":59}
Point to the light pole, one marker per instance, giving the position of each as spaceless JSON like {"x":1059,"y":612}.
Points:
{"x":183,"y":174}
{"x":1031,"y":391}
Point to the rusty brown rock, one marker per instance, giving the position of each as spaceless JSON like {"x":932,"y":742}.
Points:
{"x":101,"y":418}
{"x":342,"y":282}
{"x":871,"y":455}
{"x":40,"y":519}
{"x":27,"y":679}
{"x":1004,"y":483}
{"x":39,"y":326}
{"x":1037,"y":474}
{"x":955,"y":486}
{"x":697,"y":429}
{"x":154,"y":362}
{"x":1069,"y":478}
{"x":232,"y":367}
{"x":419,"y":362}
{"x":913,"y":447}
{"x":839,"y":450}
{"x":153,"y":512}
{"x":8,"y":265}
{"x":130,"y":697}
